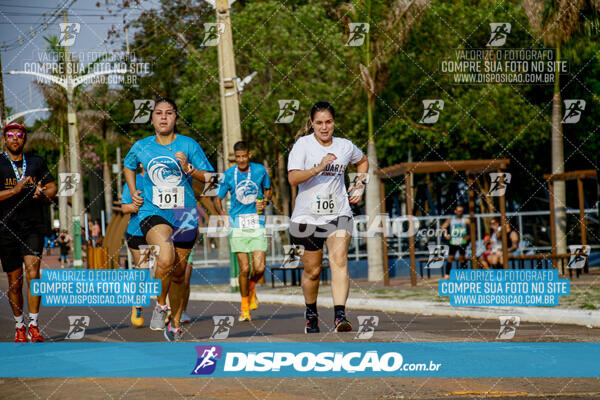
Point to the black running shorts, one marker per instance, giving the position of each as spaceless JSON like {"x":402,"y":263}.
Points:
{"x":134,"y":242}
{"x":151,"y":221}
{"x":313,"y":237}
{"x":182,"y":239}
{"x":15,"y":245}
{"x":461,"y":250}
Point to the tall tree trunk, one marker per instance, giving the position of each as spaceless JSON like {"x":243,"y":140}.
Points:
{"x":558,"y":164}
{"x":70,"y":220}
{"x":106,"y":179}
{"x":373,"y":202}
{"x":108,"y":195}
{"x":223,"y":241}
{"x":284,"y":194}
{"x":373,"y":195}
{"x":80,"y":192}
{"x":70,"y":206}
{"x":62,"y":200}
{"x":373,"y":205}
{"x":62,"y":168}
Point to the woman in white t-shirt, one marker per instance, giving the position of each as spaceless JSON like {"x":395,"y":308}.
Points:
{"x":322,"y":214}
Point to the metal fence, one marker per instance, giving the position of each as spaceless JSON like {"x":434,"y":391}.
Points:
{"x":533,"y":228}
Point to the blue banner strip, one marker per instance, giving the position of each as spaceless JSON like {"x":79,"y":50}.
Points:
{"x":245,"y":359}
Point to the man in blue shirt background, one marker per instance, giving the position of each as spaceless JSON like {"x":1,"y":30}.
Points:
{"x":250,"y":189}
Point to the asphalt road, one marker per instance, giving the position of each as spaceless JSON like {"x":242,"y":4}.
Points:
{"x":279,"y":323}
{"x":272,"y":322}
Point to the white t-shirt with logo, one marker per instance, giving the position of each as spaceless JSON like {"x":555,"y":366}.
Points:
{"x":323,"y":197}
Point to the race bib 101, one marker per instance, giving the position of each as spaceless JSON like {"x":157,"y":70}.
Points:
{"x":168,"y":197}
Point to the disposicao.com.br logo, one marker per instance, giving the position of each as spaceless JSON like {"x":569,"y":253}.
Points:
{"x":337,"y":363}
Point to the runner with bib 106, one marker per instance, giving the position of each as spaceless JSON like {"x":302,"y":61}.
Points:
{"x":322,"y":214}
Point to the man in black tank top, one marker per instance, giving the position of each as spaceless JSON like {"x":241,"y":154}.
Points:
{"x":25,"y":183}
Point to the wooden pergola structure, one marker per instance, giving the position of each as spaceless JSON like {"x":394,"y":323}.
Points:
{"x":578,"y":175}
{"x":472,"y":169}
{"x":113,"y":239}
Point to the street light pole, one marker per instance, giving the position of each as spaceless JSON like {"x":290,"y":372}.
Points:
{"x":230,"y":111}
{"x":13,"y":117}
{"x":232,"y":132}
{"x":74,"y":159}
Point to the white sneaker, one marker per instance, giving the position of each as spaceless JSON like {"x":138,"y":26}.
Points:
{"x":185,"y":317}
{"x":157,"y":323}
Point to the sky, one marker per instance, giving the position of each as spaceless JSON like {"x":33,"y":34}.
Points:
{"x":19,"y":19}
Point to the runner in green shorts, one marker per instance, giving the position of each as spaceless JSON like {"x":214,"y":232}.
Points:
{"x":250,"y":189}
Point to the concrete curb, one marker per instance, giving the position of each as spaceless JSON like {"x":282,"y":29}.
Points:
{"x":589,"y":318}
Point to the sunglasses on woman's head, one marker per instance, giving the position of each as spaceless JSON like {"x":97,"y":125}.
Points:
{"x":19,"y":135}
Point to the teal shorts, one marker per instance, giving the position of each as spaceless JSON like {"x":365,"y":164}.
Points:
{"x":248,"y":240}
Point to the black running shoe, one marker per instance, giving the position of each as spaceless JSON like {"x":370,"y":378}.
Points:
{"x":312,"y":322}
{"x":341,"y":323}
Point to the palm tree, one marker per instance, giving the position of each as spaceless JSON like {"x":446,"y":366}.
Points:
{"x":555,"y":22}
{"x":87,"y":106}
{"x":96,"y":102}
{"x":388,"y":32}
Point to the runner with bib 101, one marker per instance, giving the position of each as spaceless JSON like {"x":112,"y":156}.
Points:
{"x":167,"y":211}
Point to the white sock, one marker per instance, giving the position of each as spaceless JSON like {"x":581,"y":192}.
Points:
{"x":164,"y":308}
{"x":33,"y":319}
{"x":19,"y":321}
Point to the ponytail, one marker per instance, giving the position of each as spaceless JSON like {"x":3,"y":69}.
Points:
{"x":305,"y":130}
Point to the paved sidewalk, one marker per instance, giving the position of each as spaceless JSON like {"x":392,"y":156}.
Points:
{"x":581,"y":307}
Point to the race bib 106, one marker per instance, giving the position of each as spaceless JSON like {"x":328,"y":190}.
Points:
{"x":324,"y":204}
